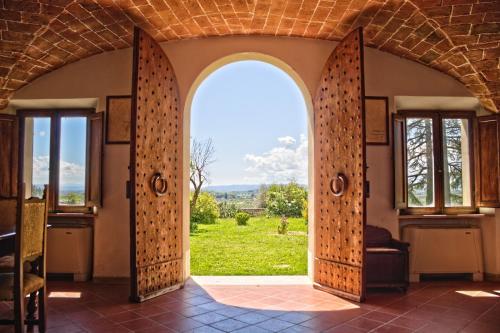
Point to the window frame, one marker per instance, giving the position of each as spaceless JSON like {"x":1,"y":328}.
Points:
{"x":55,"y":116}
{"x":438,"y":156}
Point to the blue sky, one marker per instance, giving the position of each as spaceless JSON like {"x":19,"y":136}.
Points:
{"x":257,"y":118}
{"x":72,"y":154}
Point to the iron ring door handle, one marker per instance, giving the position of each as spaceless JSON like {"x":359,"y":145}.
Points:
{"x":159,"y":184}
{"x":338,"y":185}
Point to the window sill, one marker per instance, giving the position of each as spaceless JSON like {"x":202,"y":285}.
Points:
{"x":439,"y":216}
{"x":72,"y":215}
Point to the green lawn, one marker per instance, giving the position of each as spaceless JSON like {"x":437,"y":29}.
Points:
{"x":225,"y":248}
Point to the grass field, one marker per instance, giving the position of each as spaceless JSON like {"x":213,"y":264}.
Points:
{"x":225,"y":248}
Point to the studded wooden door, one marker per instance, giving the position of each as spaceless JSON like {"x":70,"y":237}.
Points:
{"x":339,"y":143}
{"x":155,"y":173}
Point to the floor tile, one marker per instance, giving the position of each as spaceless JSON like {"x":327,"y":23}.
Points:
{"x":252,"y":329}
{"x":294,"y":317}
{"x":232,"y":311}
{"x":183,"y":325}
{"x":205,"y":329}
{"x":275,"y":325}
{"x":252,"y":318}
{"x":209,"y":318}
{"x":191,"y":311}
{"x":435,"y":307}
{"x":229,"y":325}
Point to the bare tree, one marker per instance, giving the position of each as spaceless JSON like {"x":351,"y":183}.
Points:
{"x":202,"y":155}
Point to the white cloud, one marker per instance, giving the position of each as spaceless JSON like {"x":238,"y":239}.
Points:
{"x":71,"y":173}
{"x":287,"y":140}
{"x":280,"y":164}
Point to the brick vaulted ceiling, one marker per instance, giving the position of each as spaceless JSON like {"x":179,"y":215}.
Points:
{"x":457,"y":37}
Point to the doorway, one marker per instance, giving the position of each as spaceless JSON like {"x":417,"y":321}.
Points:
{"x":159,"y":169}
{"x":251,"y":115}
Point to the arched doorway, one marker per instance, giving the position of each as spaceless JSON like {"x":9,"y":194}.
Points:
{"x":306,"y":96}
{"x":160,"y":186}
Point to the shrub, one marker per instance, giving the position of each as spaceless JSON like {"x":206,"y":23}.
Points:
{"x":305,"y":210}
{"x":206,"y":210}
{"x":227,"y":209}
{"x":283,"y":226}
{"x":193,"y":226}
{"x":242,"y":218}
{"x":285,"y":200}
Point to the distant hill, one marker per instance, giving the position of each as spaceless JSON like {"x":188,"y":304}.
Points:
{"x":235,"y":188}
{"x":232,"y":188}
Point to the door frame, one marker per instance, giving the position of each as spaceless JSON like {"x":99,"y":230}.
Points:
{"x":242,"y":56}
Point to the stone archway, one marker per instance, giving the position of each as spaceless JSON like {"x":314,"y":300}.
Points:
{"x":214,"y":66}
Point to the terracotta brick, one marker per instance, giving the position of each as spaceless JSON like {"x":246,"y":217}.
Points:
{"x":464,"y":39}
{"x":492,"y":53}
{"x":455,"y":2}
{"x":486,"y":38}
{"x":476,"y":18}
{"x":457,"y":29}
{"x":443,"y":34}
{"x":485,"y":7}
{"x":438,"y":11}
{"x":461,"y":10}
{"x":474,"y":55}
{"x":485,"y":65}
{"x":465,"y":69}
{"x":492,"y":75}
{"x":421,"y":48}
{"x":429,"y":57}
{"x":486,"y":28}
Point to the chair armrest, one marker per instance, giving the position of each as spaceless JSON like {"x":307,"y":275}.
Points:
{"x":402,"y":246}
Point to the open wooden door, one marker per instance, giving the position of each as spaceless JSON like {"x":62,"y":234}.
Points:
{"x":339,"y":152}
{"x":155,"y":173}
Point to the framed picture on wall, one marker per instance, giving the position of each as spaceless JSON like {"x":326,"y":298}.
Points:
{"x":118,"y":110}
{"x":377,"y":120}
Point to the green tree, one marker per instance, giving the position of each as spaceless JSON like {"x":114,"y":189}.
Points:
{"x":202,"y":155}
{"x":206,"y":210}
{"x":285,"y":200}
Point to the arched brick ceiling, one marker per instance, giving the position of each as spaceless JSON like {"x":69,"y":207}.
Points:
{"x":458,"y":37}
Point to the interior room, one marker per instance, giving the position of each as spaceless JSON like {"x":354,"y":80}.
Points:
{"x":403,"y":130}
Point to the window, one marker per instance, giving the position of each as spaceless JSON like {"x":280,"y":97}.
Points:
{"x":61,"y":149}
{"x":72,"y":161}
{"x":433,"y":162}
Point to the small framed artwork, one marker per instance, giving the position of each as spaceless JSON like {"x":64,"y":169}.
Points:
{"x":118,"y":115}
{"x":377,"y":120}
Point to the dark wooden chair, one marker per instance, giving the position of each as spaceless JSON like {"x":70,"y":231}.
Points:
{"x":30,"y":247}
{"x":8,"y":212}
{"x":387,"y":263}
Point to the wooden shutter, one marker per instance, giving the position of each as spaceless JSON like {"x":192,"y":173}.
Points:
{"x":155,"y":173}
{"x":339,"y":143}
{"x":399,"y":160}
{"x":94,"y":189}
{"x":9,"y":137}
{"x":488,"y":161}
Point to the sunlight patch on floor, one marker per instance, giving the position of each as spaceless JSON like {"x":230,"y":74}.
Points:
{"x":65,"y":294}
{"x":277,"y":280}
{"x":476,"y":293}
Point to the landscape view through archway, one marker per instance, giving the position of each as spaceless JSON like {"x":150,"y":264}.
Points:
{"x":249,"y":172}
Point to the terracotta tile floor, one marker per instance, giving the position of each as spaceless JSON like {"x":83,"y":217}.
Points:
{"x":427,"y":307}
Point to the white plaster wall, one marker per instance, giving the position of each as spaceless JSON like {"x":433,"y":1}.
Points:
{"x":110,"y":74}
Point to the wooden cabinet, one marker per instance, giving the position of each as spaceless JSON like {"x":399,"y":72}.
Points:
{"x":488,"y":161}
{"x":9,"y":131}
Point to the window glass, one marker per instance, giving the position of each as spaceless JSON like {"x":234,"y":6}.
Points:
{"x":457,"y":191}
{"x":72,"y":161}
{"x":420,"y":162}
{"x":39,"y":129}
